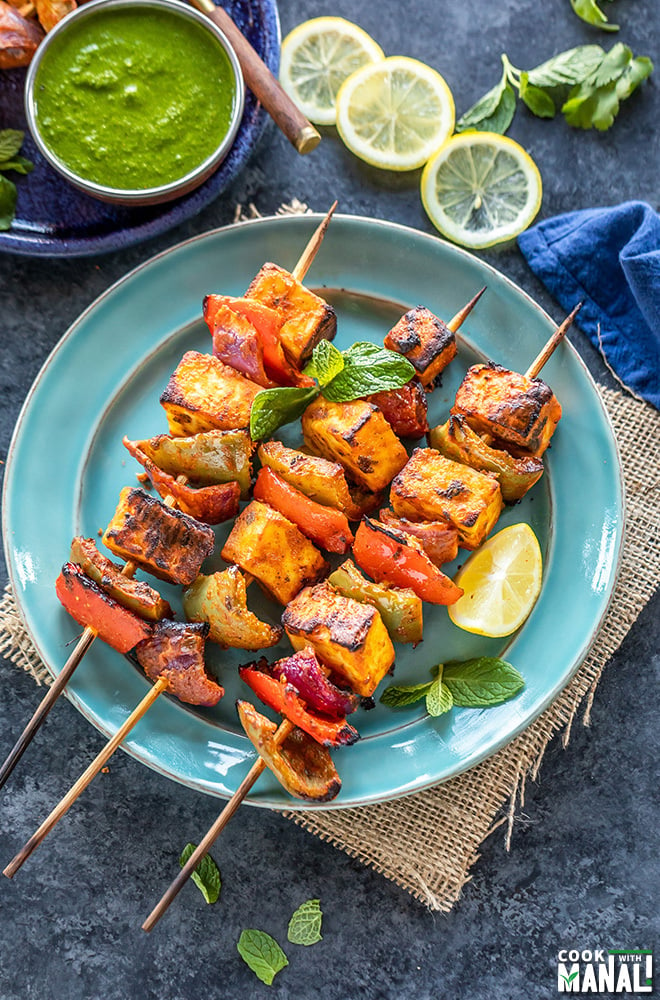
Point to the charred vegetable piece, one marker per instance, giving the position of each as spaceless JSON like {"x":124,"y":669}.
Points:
{"x":304,"y":768}
{"x":358,"y":436}
{"x":19,"y":38}
{"x":284,"y":698}
{"x":266,"y":544}
{"x":392,"y":556}
{"x":203,"y":394}
{"x":51,"y":12}
{"x":456,"y":440}
{"x":399,"y":607}
{"x":136,"y":595}
{"x":89,"y":605}
{"x":304,"y":671}
{"x":205,"y":459}
{"x":438,"y":539}
{"x":405,"y":409}
{"x":175,"y":651}
{"x":267,"y":323}
{"x":221,"y":600}
{"x":306,"y":318}
{"x":319,"y":479}
{"x":327,"y":527}
{"x":210,"y":504}
{"x":426,"y":341}
{"x":519,"y":411}
{"x":237,"y":343}
{"x":347,"y":636}
{"x":163,"y":541}
{"x":433,"y":488}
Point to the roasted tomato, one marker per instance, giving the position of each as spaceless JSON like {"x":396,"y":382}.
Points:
{"x":405,"y":409}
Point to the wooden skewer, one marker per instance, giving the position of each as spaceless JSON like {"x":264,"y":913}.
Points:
{"x":457,"y":321}
{"x":83,"y":781}
{"x":214,"y":832}
{"x":299,"y":131}
{"x":556,"y":338}
{"x":310,"y":251}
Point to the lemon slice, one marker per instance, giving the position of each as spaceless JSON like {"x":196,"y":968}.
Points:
{"x":395,"y":113}
{"x":317,"y":56}
{"x":502,"y":581}
{"x":481,"y":188}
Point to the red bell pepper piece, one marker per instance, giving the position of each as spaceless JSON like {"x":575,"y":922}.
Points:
{"x":89,"y":605}
{"x":326,"y":526}
{"x":284,"y":698}
{"x":392,"y":556}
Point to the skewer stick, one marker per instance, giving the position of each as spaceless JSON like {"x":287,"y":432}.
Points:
{"x":556,"y":338}
{"x":457,"y":321}
{"x":83,"y":781}
{"x":312,"y":248}
{"x":213,"y":833}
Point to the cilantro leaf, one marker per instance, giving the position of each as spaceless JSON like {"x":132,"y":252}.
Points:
{"x":262,"y":954}
{"x":326,"y":362}
{"x":305,"y":924}
{"x":398,"y":696}
{"x":482,"y":682}
{"x":368,"y":368}
{"x":590,"y":12}
{"x":272,"y":408}
{"x":206,"y":874}
{"x":7,"y":202}
{"x":11,"y":140}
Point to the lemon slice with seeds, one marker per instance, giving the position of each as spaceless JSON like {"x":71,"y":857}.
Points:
{"x":395,"y":113}
{"x":316,"y":58}
{"x":501,"y":582}
{"x":481,"y":188}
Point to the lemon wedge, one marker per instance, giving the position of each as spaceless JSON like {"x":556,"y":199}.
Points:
{"x":316,"y":58}
{"x":501,"y":582}
{"x":481,"y":188}
{"x":393,"y":114}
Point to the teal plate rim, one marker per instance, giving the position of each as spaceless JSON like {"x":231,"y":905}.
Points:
{"x":130,"y":335}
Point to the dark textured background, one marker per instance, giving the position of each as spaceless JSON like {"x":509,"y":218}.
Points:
{"x":583,"y":869}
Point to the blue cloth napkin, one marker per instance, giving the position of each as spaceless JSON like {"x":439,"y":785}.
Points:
{"x":610,"y":258}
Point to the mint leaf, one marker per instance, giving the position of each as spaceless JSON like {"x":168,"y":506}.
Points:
{"x":368,"y":368}
{"x":7,"y":202}
{"x":11,"y":140}
{"x":439,"y":698}
{"x":568,"y":68}
{"x":494,"y":111}
{"x":482,"y":682}
{"x":206,"y":874}
{"x":326,"y":362}
{"x":537,"y":100}
{"x":262,"y":954}
{"x":397,"y":696}
{"x":590,"y":12}
{"x":272,"y":408}
{"x":19,"y":163}
{"x":305,"y":924}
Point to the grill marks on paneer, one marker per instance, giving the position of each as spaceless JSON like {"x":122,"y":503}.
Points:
{"x":426,"y":341}
{"x":205,"y":394}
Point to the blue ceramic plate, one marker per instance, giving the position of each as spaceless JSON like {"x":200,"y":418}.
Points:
{"x":54,"y":219}
{"x":67,"y":465}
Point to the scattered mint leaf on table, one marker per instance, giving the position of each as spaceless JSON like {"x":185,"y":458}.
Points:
{"x":590,"y":12}
{"x":305,"y":924}
{"x":11,"y":140}
{"x":262,"y":954}
{"x":7,"y":202}
{"x":494,"y":111}
{"x":482,"y":682}
{"x":206,"y":874}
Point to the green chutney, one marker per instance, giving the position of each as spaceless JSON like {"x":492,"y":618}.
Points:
{"x":134,"y":98}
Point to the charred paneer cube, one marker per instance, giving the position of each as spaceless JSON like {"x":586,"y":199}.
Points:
{"x":434,"y":488}
{"x":348,"y":636}
{"x":519,"y":411}
{"x":163,"y":541}
{"x":266,"y":544}
{"x":306,"y":318}
{"x":204,"y":393}
{"x":426,"y":341}
{"x":357,"y":435}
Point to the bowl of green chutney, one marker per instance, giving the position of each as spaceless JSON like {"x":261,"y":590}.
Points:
{"x":134,"y":101}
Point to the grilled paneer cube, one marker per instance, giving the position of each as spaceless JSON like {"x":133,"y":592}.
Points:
{"x":426,"y":341}
{"x":163,"y":541}
{"x":357,"y":435}
{"x":521,"y":412}
{"x":306,"y":318}
{"x":349,"y":637}
{"x":318,"y":479}
{"x":203,"y":394}
{"x":266,"y":544}
{"x":434,"y":488}
{"x":136,"y":595}
{"x":205,"y":459}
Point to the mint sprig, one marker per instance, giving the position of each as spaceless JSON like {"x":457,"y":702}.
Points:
{"x":206,"y":874}
{"x":368,"y":368}
{"x":477,"y":683}
{"x":262,"y":954}
{"x":11,"y":140}
{"x":305,"y":924}
{"x":326,"y":363}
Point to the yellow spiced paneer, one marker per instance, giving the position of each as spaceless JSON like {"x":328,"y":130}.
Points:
{"x":204,"y":394}
{"x":434,"y":488}
{"x":426,"y":341}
